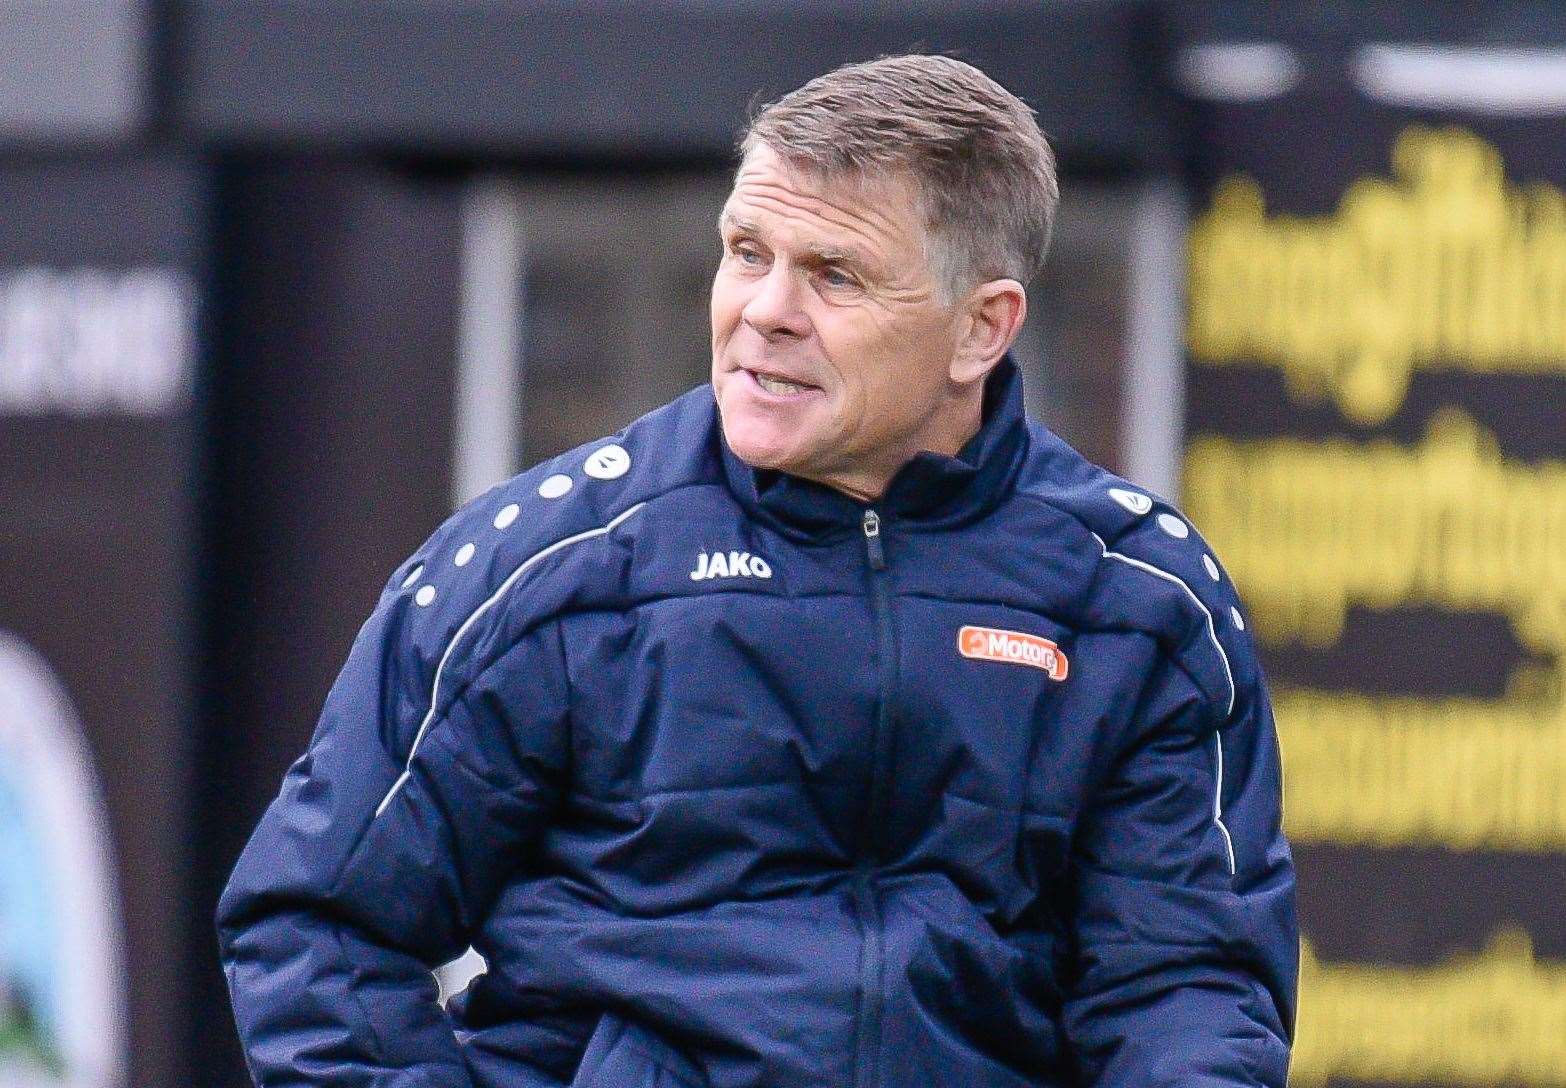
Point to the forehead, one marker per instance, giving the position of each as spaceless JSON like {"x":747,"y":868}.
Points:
{"x":773,"y":195}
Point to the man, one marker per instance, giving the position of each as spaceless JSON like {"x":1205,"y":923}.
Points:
{"x":831,"y":726}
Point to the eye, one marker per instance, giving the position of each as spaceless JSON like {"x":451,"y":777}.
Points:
{"x":745,"y":253}
{"x":833,"y":276}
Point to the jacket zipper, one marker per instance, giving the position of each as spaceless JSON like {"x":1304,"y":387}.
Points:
{"x":867,"y":1058}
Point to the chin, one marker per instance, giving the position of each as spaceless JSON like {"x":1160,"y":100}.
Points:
{"x":763,"y":434}
{"x":757,"y":440}
{"x":760,"y":444}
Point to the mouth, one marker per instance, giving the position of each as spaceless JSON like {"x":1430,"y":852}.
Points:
{"x":775,"y":385}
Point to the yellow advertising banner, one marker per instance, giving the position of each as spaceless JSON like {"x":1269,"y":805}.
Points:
{"x":1376,"y":445}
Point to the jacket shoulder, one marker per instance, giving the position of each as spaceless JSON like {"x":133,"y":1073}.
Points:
{"x":499,"y":565}
{"x":1155,"y":572}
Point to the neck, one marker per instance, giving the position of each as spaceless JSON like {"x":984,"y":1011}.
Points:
{"x":946,"y":434}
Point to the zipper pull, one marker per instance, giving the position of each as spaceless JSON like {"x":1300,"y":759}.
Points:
{"x":873,"y":540}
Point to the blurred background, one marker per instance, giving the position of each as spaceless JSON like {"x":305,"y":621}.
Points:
{"x":284,"y":281}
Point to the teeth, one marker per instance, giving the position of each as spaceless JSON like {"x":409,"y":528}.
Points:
{"x":781,"y":388}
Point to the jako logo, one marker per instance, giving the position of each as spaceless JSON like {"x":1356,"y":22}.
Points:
{"x":732,"y":565}
{"x":990,"y":644}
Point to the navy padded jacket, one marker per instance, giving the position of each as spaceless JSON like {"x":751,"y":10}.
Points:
{"x":735,"y":782}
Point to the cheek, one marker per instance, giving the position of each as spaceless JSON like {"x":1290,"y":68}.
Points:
{"x":907,"y":371}
{"x":872,"y":354}
{"x":724,"y":307}
{"x":924,"y":349}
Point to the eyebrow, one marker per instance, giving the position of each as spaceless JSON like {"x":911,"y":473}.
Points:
{"x":819,"y":254}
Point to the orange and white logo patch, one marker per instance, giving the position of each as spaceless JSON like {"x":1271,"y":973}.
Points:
{"x":1013,"y":647}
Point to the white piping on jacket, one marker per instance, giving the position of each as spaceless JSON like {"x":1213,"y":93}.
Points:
{"x":1212,"y":630}
{"x":1212,"y":633}
{"x":429,"y":716}
{"x":1228,"y":842}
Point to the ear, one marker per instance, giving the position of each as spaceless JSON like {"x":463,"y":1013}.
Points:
{"x":993,"y":315}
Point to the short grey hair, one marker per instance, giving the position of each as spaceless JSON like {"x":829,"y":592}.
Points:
{"x":984,"y":171}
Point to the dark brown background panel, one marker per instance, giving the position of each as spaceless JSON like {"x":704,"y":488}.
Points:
{"x":97,"y":537}
{"x":330,"y":438}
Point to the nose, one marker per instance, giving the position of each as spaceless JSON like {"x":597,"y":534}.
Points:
{"x":775,"y":308}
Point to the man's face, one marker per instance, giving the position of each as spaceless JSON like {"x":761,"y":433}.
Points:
{"x":831,"y":347}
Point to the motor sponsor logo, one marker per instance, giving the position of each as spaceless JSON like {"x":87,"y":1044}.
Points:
{"x":1012,"y":647}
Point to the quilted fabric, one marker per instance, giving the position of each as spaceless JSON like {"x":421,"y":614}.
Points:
{"x":735,"y":782}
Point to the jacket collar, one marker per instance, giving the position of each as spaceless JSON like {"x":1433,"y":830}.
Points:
{"x":931,"y":488}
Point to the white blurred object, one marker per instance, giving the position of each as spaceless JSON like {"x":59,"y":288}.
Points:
{"x":454,"y":977}
{"x":1522,"y":82}
{"x":1153,"y":419}
{"x":1237,"y":72}
{"x":489,"y":342}
{"x":62,"y":962}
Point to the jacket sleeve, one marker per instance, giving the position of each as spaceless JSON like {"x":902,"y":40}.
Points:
{"x":1184,"y":900}
{"x":426,"y":776}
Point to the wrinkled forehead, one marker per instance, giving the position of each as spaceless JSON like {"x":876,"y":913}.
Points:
{"x":884,"y":202}
{"x":869,"y":185}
